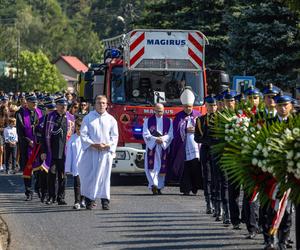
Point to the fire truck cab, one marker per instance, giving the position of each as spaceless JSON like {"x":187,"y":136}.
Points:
{"x":141,"y":68}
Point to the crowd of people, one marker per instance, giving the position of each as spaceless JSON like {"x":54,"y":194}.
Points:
{"x":51,"y":135}
{"x":184,"y":150}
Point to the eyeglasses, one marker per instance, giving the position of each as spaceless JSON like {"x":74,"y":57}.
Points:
{"x":75,"y":107}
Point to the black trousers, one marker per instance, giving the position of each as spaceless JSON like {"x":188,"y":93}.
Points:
{"x":206,"y":172}
{"x":57,"y":170}
{"x":250,"y":216}
{"x":297,"y":227}
{"x":10,"y":152}
{"x":28,"y":183}
{"x":23,"y":148}
{"x":191,"y":179}
{"x":234,"y":207}
{"x":220,"y":182}
{"x":268,"y":214}
{"x":43,"y":182}
{"x":77,"y":193}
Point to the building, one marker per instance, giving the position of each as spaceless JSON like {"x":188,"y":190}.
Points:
{"x":70,"y":67}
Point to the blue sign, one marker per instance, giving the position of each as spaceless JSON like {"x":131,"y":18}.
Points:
{"x":243,"y":82}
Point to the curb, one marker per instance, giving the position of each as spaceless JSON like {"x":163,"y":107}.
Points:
{"x":4,"y":235}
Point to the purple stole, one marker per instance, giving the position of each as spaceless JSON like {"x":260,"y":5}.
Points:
{"x":178,"y":143}
{"x":30,"y":127}
{"x":151,"y":153}
{"x":51,"y":119}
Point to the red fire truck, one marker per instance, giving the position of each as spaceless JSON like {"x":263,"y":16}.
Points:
{"x":141,"y":68}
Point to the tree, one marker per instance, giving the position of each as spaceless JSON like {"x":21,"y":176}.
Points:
{"x":36,"y":72}
{"x":264,"y":41}
{"x":206,"y":16}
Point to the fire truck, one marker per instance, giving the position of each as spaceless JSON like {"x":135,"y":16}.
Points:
{"x":141,"y":68}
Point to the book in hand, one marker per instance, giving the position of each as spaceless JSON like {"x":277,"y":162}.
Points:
{"x":156,"y":133}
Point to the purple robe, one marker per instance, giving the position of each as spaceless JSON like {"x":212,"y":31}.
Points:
{"x":29,"y":131}
{"x":177,"y":154}
{"x":151,"y":153}
{"x":50,"y":122}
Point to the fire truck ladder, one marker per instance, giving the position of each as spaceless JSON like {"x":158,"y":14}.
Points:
{"x":117,"y":42}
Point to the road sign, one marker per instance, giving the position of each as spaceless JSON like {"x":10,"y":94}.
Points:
{"x":240,"y":83}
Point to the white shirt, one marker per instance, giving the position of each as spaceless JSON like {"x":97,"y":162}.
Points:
{"x":10,"y":134}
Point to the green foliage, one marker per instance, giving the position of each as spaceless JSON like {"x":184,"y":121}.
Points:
{"x":264,"y":41}
{"x":205,"y":16}
{"x":36,"y":72}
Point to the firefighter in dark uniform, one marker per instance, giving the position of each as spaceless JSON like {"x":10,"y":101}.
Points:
{"x":49,"y":106}
{"x":225,"y":100}
{"x":59,"y":126}
{"x":281,"y":240}
{"x":203,"y":136}
{"x":250,"y":208}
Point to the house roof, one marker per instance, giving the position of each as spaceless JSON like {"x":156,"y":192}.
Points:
{"x":74,"y":62}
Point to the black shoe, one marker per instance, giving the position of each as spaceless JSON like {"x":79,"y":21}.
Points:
{"x":282,"y":246}
{"x":270,"y":246}
{"x":49,"y":202}
{"x":194,"y":191}
{"x":43,"y":198}
{"x":226,"y":222}
{"x":236,"y":227}
{"x":159,"y":192}
{"x":105,"y":204}
{"x":61,"y":202}
{"x":218,"y":218}
{"x":28,"y":197}
{"x":251,"y":236}
{"x":154,"y":190}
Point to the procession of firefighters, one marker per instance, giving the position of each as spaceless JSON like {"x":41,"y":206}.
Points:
{"x":48,"y":136}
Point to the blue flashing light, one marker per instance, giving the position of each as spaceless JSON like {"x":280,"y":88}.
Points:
{"x":138,"y":130}
{"x":115,"y":53}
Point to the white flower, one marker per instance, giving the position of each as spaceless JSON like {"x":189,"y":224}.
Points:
{"x":290,"y":155}
{"x":270,"y":170}
{"x":252,"y":129}
{"x":264,"y":169}
{"x":255,"y":152}
{"x":227,"y":126}
{"x":258,"y":126}
{"x":259,"y":146}
{"x":290,"y":163}
{"x":296,"y":131}
{"x":226,"y":131}
{"x":259,"y":164}
{"x":297,"y":156}
{"x":298,"y":164}
{"x":245,"y":139}
{"x":289,"y":170}
{"x":288,"y":132}
{"x":254,"y":161}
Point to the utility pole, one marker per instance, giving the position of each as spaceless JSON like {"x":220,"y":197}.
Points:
{"x":18,"y":57}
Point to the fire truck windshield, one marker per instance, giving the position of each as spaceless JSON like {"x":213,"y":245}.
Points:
{"x":142,"y":87}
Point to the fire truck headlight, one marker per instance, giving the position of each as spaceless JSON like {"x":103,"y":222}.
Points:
{"x":139,"y":160}
{"x":121,"y":155}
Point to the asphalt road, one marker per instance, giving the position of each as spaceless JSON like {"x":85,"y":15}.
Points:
{"x":137,"y":220}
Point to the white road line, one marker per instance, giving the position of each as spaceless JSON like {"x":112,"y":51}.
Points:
{"x":11,"y":183}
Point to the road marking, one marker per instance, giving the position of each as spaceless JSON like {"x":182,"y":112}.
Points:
{"x":11,"y":183}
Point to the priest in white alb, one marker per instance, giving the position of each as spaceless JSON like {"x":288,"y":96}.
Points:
{"x":99,"y":137}
{"x":157,"y":134}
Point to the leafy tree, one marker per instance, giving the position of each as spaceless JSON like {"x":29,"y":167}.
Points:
{"x":206,"y":16}
{"x":263,"y":41}
{"x":36,"y":72}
